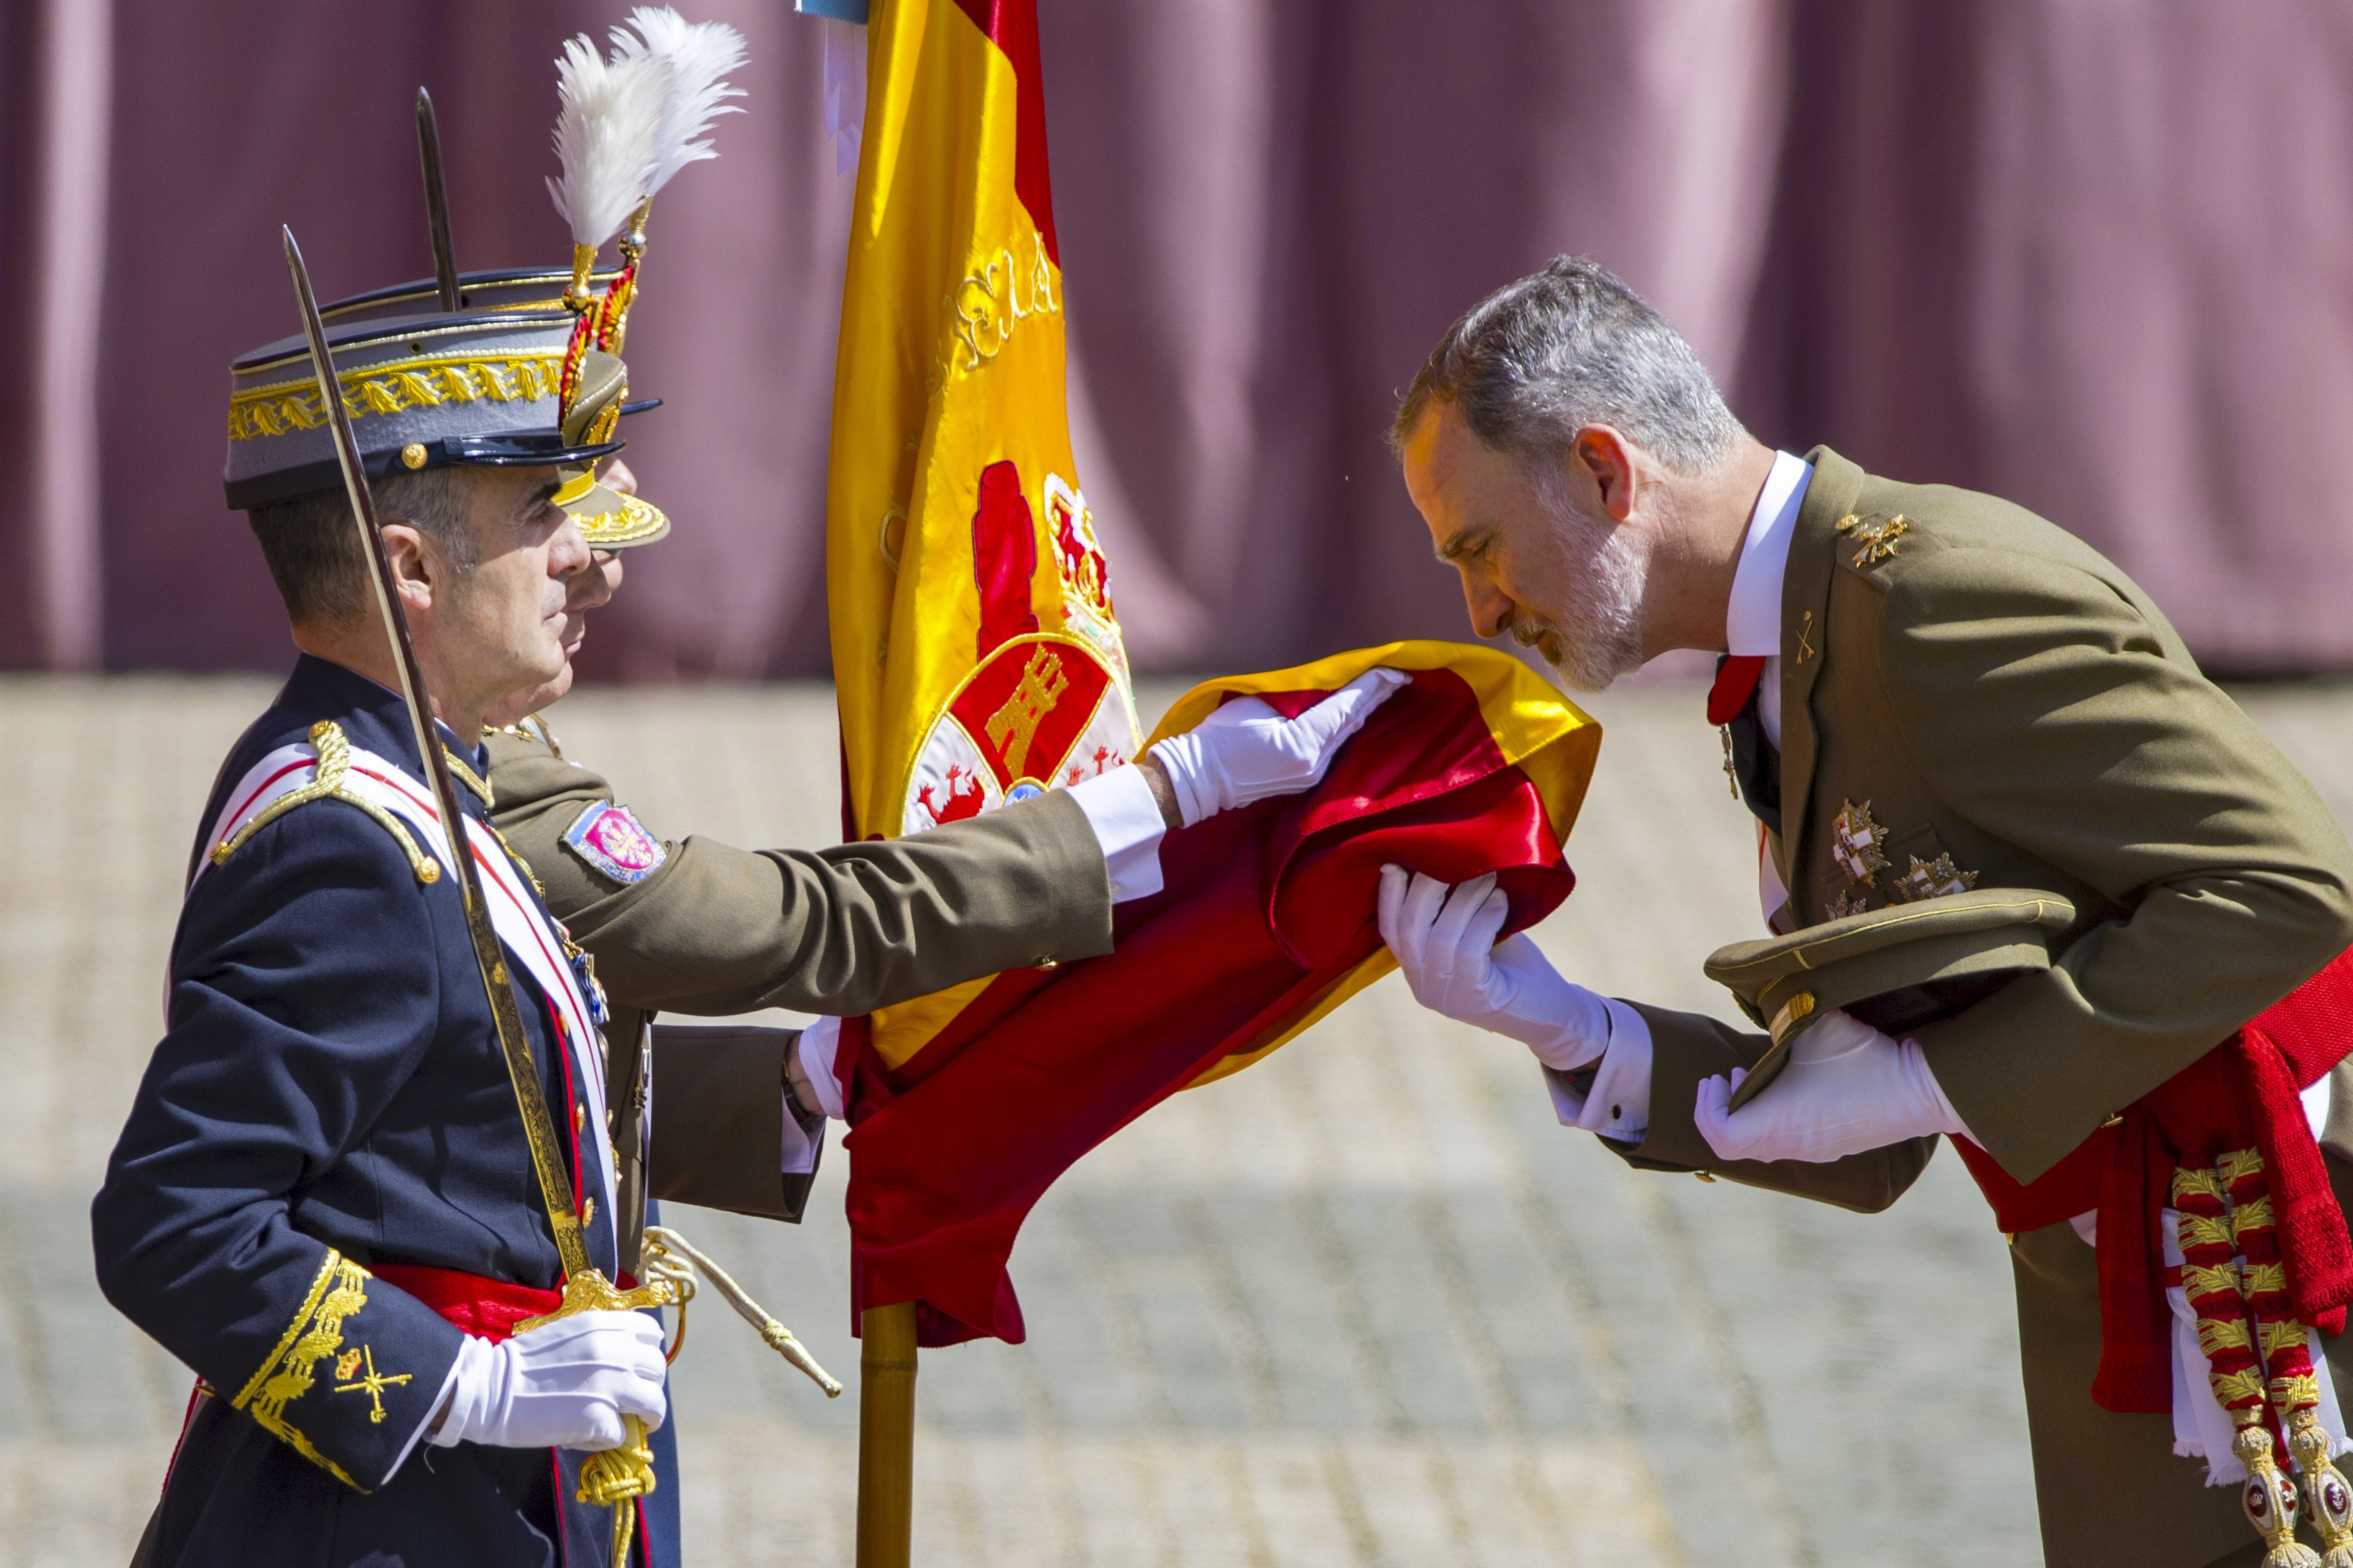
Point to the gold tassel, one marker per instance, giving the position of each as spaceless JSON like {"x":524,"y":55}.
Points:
{"x":2327,"y":1501}
{"x":2269,"y":1498}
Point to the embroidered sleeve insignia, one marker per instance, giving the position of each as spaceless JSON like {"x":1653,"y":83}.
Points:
{"x":1877,"y":534}
{"x":1926,"y":879}
{"x":1855,"y":839}
{"x":615,"y":842}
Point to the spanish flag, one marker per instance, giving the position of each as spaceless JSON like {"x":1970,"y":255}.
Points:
{"x":977,"y":660}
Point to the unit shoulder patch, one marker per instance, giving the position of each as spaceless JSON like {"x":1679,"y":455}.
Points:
{"x":611,"y":839}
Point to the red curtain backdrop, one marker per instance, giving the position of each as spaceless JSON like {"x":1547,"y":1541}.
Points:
{"x":2096,"y":258}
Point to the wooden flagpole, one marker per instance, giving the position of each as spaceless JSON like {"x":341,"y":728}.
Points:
{"x":886,"y":1436}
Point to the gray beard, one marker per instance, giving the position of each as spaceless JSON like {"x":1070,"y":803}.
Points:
{"x":1598,"y":634}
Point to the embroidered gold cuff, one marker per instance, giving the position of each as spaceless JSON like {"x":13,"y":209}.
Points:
{"x":315,"y":1332}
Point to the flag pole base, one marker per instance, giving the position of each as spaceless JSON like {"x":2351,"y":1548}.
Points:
{"x":886,"y":1436}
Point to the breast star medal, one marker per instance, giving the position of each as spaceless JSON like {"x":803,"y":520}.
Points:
{"x":1926,"y":879}
{"x":1878,"y":535}
{"x":1855,"y":839}
{"x":1845,"y":904}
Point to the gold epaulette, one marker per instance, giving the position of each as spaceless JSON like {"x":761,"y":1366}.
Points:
{"x":327,"y":783}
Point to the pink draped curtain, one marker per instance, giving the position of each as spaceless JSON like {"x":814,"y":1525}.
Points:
{"x":2097,"y":259}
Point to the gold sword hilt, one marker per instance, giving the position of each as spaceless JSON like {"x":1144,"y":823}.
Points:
{"x":617,"y":1476}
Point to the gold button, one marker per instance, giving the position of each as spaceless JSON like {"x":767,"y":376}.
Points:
{"x":413,"y":455}
{"x":587,"y":1212}
{"x":579,"y":1117}
{"x":1703,"y":1177}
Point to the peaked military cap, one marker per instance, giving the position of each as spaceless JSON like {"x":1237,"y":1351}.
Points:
{"x":1895,"y":969}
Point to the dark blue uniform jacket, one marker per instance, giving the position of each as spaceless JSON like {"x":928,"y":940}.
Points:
{"x":329,"y":1094}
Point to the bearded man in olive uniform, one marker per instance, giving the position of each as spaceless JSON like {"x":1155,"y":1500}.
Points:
{"x":1925,"y":691}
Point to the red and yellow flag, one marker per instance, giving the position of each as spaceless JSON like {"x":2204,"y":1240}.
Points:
{"x":976,"y":661}
{"x":976,"y":655}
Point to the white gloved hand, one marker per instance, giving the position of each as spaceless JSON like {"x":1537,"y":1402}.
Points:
{"x":1847,"y":1088}
{"x":565,"y":1384}
{"x":1246,"y":752}
{"x":1444,"y":940}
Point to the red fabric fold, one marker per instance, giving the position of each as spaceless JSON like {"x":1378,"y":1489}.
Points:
{"x":491,"y":1308}
{"x":2246,"y":1092}
{"x":1263,"y":911}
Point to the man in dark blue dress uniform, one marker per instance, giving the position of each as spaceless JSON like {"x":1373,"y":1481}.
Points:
{"x":324,"y":1199}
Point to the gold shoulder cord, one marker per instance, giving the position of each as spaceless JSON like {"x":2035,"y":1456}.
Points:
{"x":334,"y":760}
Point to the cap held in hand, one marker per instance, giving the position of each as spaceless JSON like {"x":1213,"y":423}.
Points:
{"x":1895,"y":969}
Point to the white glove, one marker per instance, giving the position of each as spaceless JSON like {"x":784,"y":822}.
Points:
{"x":565,"y":1384}
{"x":1847,"y":1087}
{"x":1246,"y":752}
{"x":1444,"y":940}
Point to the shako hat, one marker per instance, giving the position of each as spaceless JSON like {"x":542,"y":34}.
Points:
{"x":475,"y":387}
{"x":1895,"y":969}
{"x":529,"y":369}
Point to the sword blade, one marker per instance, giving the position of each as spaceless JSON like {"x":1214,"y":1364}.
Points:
{"x":539,"y":1128}
{"x":436,"y":201}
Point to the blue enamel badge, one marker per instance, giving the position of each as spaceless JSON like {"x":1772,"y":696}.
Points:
{"x":614,"y":841}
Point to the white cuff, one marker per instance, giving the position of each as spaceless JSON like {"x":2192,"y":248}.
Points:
{"x":818,"y":1045}
{"x":1127,"y":822}
{"x":468,"y":1384}
{"x":797,"y":1153}
{"x":1617,"y":1107}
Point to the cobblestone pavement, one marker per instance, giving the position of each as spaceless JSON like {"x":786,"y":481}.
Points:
{"x":1364,"y":1304}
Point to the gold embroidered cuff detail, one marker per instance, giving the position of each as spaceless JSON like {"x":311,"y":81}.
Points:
{"x":327,"y":783}
{"x":316,"y":1332}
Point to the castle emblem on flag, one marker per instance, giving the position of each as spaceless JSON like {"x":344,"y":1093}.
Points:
{"x":1013,"y":727}
{"x":616,"y":843}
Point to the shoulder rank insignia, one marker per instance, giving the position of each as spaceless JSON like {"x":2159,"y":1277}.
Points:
{"x":1878,"y":535}
{"x":1855,"y":839}
{"x":1926,"y":879}
{"x":615,"y":842}
{"x":334,"y":753}
{"x":533,"y":729}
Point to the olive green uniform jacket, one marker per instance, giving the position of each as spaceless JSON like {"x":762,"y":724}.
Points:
{"x":715,"y":931}
{"x":1991,"y":689}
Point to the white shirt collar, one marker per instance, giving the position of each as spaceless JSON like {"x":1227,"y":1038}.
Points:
{"x":1753,"y":623}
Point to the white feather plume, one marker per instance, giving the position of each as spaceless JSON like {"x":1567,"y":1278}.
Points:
{"x":608,"y":133}
{"x":695,"y":57}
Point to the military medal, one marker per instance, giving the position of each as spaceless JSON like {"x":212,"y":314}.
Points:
{"x":1855,"y":839}
{"x":1926,"y":879}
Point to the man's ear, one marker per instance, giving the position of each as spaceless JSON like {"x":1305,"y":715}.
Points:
{"x":1600,"y":463}
{"x":415,"y":565}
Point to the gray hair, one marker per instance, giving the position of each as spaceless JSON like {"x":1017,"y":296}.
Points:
{"x":312,"y":548}
{"x":1569,"y":346}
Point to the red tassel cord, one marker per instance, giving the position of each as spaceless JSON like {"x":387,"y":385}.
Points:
{"x":2231,"y":1273}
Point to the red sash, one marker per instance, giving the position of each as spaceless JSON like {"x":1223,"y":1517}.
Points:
{"x":2243,"y":1092}
{"x":491,"y":1308}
